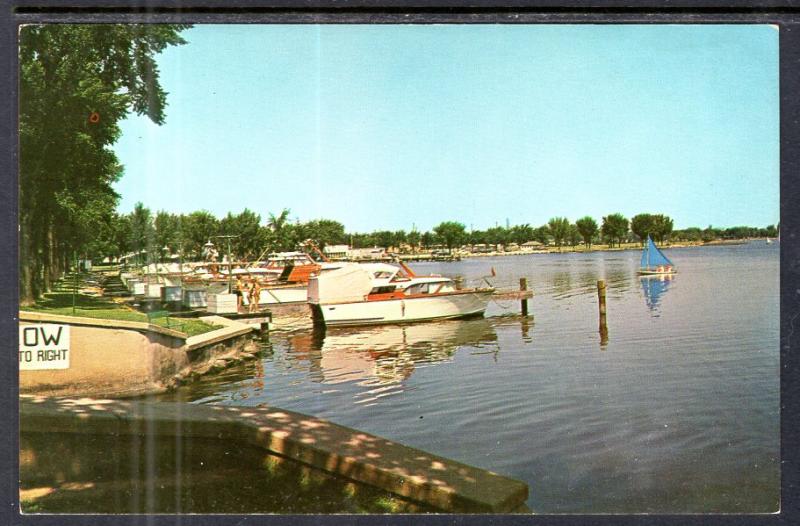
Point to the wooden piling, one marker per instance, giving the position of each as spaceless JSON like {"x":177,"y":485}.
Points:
{"x":523,"y":286}
{"x":601,"y":297}
{"x":601,"y":302}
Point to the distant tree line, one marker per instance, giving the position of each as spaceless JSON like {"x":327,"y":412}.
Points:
{"x":161,"y":233}
{"x":736,"y":232}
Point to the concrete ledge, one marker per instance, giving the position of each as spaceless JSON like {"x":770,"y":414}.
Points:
{"x":43,"y":317}
{"x":368,"y":459}
{"x":111,"y":358}
{"x":230,"y":329}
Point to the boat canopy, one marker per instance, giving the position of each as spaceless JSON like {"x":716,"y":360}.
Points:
{"x":352,"y":282}
{"x":652,"y":257}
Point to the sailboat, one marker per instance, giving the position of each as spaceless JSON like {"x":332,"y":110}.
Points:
{"x":654,"y":262}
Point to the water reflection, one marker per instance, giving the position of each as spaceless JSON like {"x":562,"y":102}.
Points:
{"x":618,"y":278}
{"x":565,"y":283}
{"x":654,"y":288}
{"x":562,"y":282}
{"x":385,"y":355}
{"x":525,"y":326}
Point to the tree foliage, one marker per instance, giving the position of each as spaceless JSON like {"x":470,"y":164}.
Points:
{"x":615,"y":228}
{"x":559,"y":229}
{"x":642,"y":225}
{"x":325,"y":232}
{"x":587,"y":227}
{"x":657,"y":226}
{"x":76,"y":83}
{"x":249,"y":240}
{"x":450,"y":233}
{"x":662,"y":227}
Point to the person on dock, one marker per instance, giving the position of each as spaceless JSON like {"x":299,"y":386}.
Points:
{"x":239,"y":290}
{"x":255,"y":296}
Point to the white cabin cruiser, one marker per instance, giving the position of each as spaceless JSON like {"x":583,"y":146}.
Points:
{"x":378,"y":293}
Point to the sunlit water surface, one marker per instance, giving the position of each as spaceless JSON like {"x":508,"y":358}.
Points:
{"x":677,"y":412}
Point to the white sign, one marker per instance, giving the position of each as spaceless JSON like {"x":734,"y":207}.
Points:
{"x":43,"y":346}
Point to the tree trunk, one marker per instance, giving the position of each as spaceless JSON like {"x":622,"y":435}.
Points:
{"x":26,"y":296}
{"x":53,"y":257}
{"x":47,"y":254}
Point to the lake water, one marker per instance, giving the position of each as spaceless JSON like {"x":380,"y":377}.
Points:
{"x":677,"y":412}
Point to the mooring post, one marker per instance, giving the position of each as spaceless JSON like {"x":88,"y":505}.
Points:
{"x":601,"y":301}
{"x":459,"y":280}
{"x":523,"y":286}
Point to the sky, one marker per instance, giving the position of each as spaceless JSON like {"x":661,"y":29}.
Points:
{"x":404,"y":126}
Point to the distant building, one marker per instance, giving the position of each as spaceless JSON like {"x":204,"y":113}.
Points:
{"x":366,"y":253}
{"x":481,"y":248}
{"x":532,"y":244}
{"x":336,"y":251}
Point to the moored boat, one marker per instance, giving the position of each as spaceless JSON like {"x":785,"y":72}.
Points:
{"x":380,"y":293}
{"x":654,"y":262}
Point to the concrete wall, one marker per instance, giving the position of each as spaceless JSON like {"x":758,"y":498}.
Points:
{"x":144,"y":458}
{"x":121,"y":359}
{"x":108,"y":361}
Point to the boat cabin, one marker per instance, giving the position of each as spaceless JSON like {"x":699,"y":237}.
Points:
{"x":389,"y":281}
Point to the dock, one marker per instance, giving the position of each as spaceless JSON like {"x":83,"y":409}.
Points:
{"x":512,"y":295}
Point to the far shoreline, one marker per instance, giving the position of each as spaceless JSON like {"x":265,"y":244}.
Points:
{"x":427,"y":255}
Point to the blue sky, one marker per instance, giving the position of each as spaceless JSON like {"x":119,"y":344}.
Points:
{"x":394,"y":126}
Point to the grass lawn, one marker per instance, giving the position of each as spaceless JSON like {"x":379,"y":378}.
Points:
{"x":96,"y":307}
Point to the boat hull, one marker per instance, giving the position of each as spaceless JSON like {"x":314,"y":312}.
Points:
{"x":657,"y":272}
{"x":405,"y":310}
{"x":279,"y":295}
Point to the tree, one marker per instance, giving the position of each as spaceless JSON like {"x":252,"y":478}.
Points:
{"x":710,"y":234}
{"x":615,"y":228}
{"x":643,"y":225}
{"x":400,"y":237}
{"x":167,"y":231}
{"x":198,"y":228}
{"x":142,"y":233}
{"x":246,"y":225}
{"x":451,"y":233}
{"x":559,"y":229}
{"x":413,"y":239}
{"x":521,"y":233}
{"x":662,"y":227}
{"x":573,"y":235}
{"x":477,"y":237}
{"x":277,"y":225}
{"x":689,"y":234}
{"x":383,"y":238}
{"x":771,"y":231}
{"x":77,"y":81}
{"x":497,"y":235}
{"x":542,"y":235}
{"x":325,"y":232}
{"x":587,"y":227}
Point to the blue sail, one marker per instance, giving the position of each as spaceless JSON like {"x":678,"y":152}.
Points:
{"x":652,"y":257}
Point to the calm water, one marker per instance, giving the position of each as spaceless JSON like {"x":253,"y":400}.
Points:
{"x":677,"y":412}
